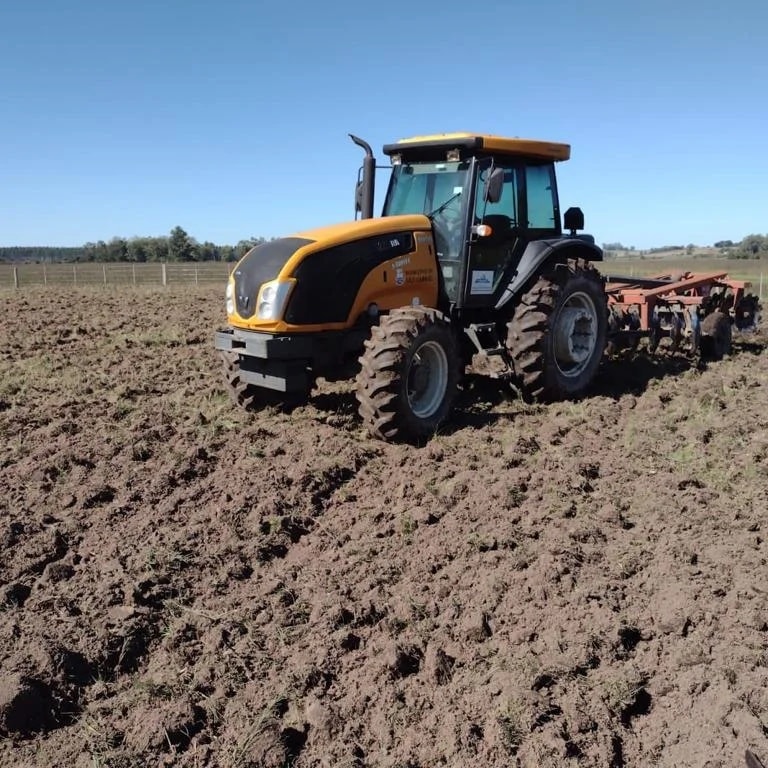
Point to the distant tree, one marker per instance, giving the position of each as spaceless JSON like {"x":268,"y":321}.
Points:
{"x":208,"y":251}
{"x":180,"y":246}
{"x":723,"y":244}
{"x":158,"y":248}
{"x":96,"y":251}
{"x":243,"y":246}
{"x":228,"y":253}
{"x":117,"y":249}
{"x":138,"y":250}
{"x":754,"y":245}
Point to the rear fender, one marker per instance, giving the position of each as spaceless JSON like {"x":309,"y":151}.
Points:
{"x":549,"y":252}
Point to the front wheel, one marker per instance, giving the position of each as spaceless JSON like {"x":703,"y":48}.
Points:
{"x":557,"y":335}
{"x":409,"y":374}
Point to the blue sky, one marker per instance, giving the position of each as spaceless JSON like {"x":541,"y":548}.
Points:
{"x":231,"y":118}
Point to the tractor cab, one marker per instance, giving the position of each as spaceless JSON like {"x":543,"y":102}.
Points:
{"x":487,"y":197}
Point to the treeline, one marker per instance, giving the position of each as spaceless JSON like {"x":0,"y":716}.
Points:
{"x":177,"y":246}
{"x":750,"y":247}
{"x":613,"y":247}
{"x":40,"y":253}
{"x":669,"y":248}
{"x":180,"y":246}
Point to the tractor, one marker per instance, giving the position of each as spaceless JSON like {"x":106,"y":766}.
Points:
{"x":467,"y":258}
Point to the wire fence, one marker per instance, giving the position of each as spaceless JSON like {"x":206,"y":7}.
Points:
{"x":207,"y":272}
{"x":118,"y":273}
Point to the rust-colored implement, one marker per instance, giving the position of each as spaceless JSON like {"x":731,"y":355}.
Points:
{"x":696,"y":309}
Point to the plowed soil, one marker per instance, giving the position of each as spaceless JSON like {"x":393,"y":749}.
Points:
{"x":186,"y":584}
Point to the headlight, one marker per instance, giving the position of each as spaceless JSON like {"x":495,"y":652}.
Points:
{"x":272,"y":298}
{"x":230,"y":296}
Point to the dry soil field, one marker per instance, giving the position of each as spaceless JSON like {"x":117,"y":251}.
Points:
{"x":578,"y":584}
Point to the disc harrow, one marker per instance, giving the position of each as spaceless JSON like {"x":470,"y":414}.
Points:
{"x":695,"y":312}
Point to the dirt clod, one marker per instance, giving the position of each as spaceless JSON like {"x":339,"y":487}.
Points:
{"x":26,"y":706}
{"x":403,"y":661}
{"x":476,"y":627}
{"x":14,"y":594}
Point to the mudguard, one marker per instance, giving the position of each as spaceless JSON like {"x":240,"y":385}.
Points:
{"x":540,"y":252}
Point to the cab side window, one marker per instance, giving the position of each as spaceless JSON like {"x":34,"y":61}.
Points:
{"x":540,"y":196}
{"x":507,"y":204}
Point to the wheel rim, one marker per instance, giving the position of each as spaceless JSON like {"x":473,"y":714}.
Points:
{"x":427,"y":379}
{"x":575,"y":334}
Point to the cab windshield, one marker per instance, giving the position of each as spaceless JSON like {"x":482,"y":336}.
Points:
{"x":438,"y":190}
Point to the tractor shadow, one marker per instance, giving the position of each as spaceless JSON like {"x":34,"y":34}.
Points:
{"x":630,"y":374}
{"x":337,"y":408}
{"x":484,"y":401}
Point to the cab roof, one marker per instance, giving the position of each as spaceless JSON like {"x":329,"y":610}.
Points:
{"x":472,"y":143}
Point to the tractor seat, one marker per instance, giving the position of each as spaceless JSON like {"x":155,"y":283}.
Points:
{"x":494,"y":251}
{"x":501,"y":227}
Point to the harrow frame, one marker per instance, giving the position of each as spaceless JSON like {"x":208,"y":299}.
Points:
{"x":674,"y":305}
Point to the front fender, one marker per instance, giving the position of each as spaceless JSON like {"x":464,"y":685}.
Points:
{"x":540,"y":252}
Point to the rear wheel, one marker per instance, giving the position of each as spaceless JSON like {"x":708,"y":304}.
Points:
{"x":557,"y":336}
{"x":715,"y":336}
{"x":409,"y":374}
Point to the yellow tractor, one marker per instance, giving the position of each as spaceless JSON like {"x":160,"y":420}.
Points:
{"x":468,"y":258}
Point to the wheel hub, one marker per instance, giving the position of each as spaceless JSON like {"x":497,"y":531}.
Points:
{"x":575,"y":334}
{"x":420,"y":377}
{"x":427,"y":379}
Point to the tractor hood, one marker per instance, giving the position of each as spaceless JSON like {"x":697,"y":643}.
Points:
{"x":337,"y":234}
{"x":284,"y":258}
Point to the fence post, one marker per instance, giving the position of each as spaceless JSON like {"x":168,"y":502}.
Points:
{"x":165,"y":276}
{"x":15,"y":277}
{"x":196,"y":283}
{"x":74,"y":274}
{"x":104,"y":271}
{"x":760,"y":293}
{"x":45,"y":275}
{"x":133,"y":272}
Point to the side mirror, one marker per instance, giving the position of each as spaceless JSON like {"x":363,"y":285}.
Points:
{"x":493,"y":186}
{"x":573,"y":220}
{"x":358,"y":197}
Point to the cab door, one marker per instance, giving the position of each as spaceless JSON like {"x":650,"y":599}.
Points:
{"x":492,"y":258}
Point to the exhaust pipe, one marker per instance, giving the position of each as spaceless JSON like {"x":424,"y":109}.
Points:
{"x":365,"y":187}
